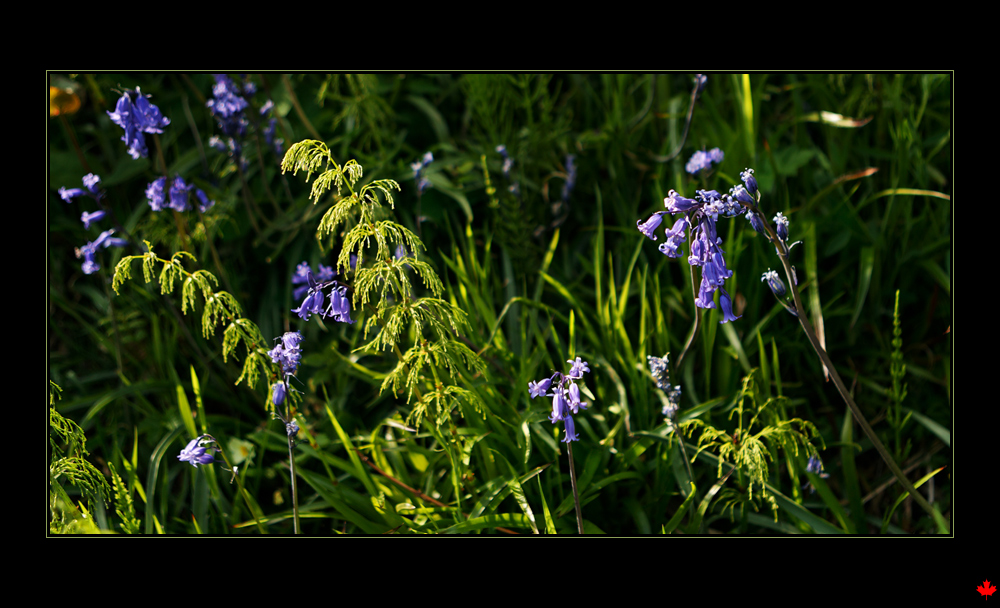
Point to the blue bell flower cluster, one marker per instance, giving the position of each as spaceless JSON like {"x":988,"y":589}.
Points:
{"x":418,"y":172}
{"x":338,"y":307}
{"x":659,"y":368}
{"x":565,"y":396}
{"x":136,"y":115}
{"x":175,"y":194}
{"x":699,"y":216}
{"x":88,"y":252}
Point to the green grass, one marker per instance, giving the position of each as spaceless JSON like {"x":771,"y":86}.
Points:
{"x":540,"y":282}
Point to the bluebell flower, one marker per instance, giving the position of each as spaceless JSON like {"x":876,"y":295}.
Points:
{"x":560,"y":409}
{"x":196,"y":454}
{"x":781,"y":223}
{"x":339,"y":307}
{"x":278,"y":392}
{"x":755,"y":222}
{"x":702,"y":160}
{"x":156,"y":194}
{"x":570,"y":429}
{"x":87,"y":217}
{"x":89,"y":251}
{"x":90,"y":182}
{"x":418,"y":172}
{"x":179,"y":191}
{"x":538,"y":389}
{"x":814,"y":466}
{"x":774,"y":282}
{"x":565,"y":395}
{"x":675,"y":203}
{"x":288,"y":353}
{"x":227,"y":106}
{"x":292,"y":428}
{"x":751,"y":183}
{"x":136,"y":116}
{"x":659,"y":368}
{"x":573,"y":396}
{"x":578,"y":369}
{"x":650,"y":225}
{"x":740,"y":193}
{"x":726,"y":304}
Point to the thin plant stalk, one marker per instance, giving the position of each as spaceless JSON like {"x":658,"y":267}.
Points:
{"x":572,"y":480}
{"x":295,"y":494}
{"x":841,"y":388}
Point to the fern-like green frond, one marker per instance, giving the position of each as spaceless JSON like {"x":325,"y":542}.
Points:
{"x":308,"y":155}
{"x":220,"y":306}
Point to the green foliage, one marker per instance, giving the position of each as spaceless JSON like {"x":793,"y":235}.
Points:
{"x":755,"y":441}
{"x":416,"y":419}
{"x":384,"y":290}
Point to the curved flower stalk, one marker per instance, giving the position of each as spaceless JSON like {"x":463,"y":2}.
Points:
{"x":749,"y":197}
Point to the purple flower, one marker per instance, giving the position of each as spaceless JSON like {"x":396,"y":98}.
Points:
{"x":740,"y":193}
{"x":755,"y":222}
{"x":339,"y":307}
{"x":702,"y":160}
{"x":575,"y":404}
{"x":751,"y":183}
{"x":227,"y":106}
{"x":774,"y":282}
{"x":288,"y":354}
{"x":675,"y":203}
{"x":650,"y":225}
{"x":560,"y":409}
{"x":570,"y":428}
{"x":179,"y":191}
{"x":538,"y":389}
{"x":156,"y":193}
{"x":90,"y":182}
{"x":137,"y":116}
{"x":659,"y":369}
{"x":781,"y":223}
{"x":278,"y":392}
{"x":292,"y":428}
{"x":579,"y":367}
{"x":196,"y":454}
{"x":87,"y":217}
{"x":727,"y":307}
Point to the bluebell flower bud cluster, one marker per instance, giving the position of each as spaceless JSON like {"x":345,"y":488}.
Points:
{"x":659,"y":368}
{"x":88,"y":252}
{"x":287,"y":354}
{"x":338,"y":306}
{"x":700,"y":215}
{"x":565,"y":396}
{"x":178,"y":192}
{"x":196,"y":453}
{"x":702,"y":160}
{"x":418,"y":172}
{"x":228,"y":105}
{"x":136,"y":115}
{"x":567,"y":188}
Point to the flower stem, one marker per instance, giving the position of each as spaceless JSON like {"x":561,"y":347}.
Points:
{"x":295,"y":494}
{"x":841,"y":388}
{"x":572,"y":480}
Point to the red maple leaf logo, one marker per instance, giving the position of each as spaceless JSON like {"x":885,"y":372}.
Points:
{"x":986,"y":589}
